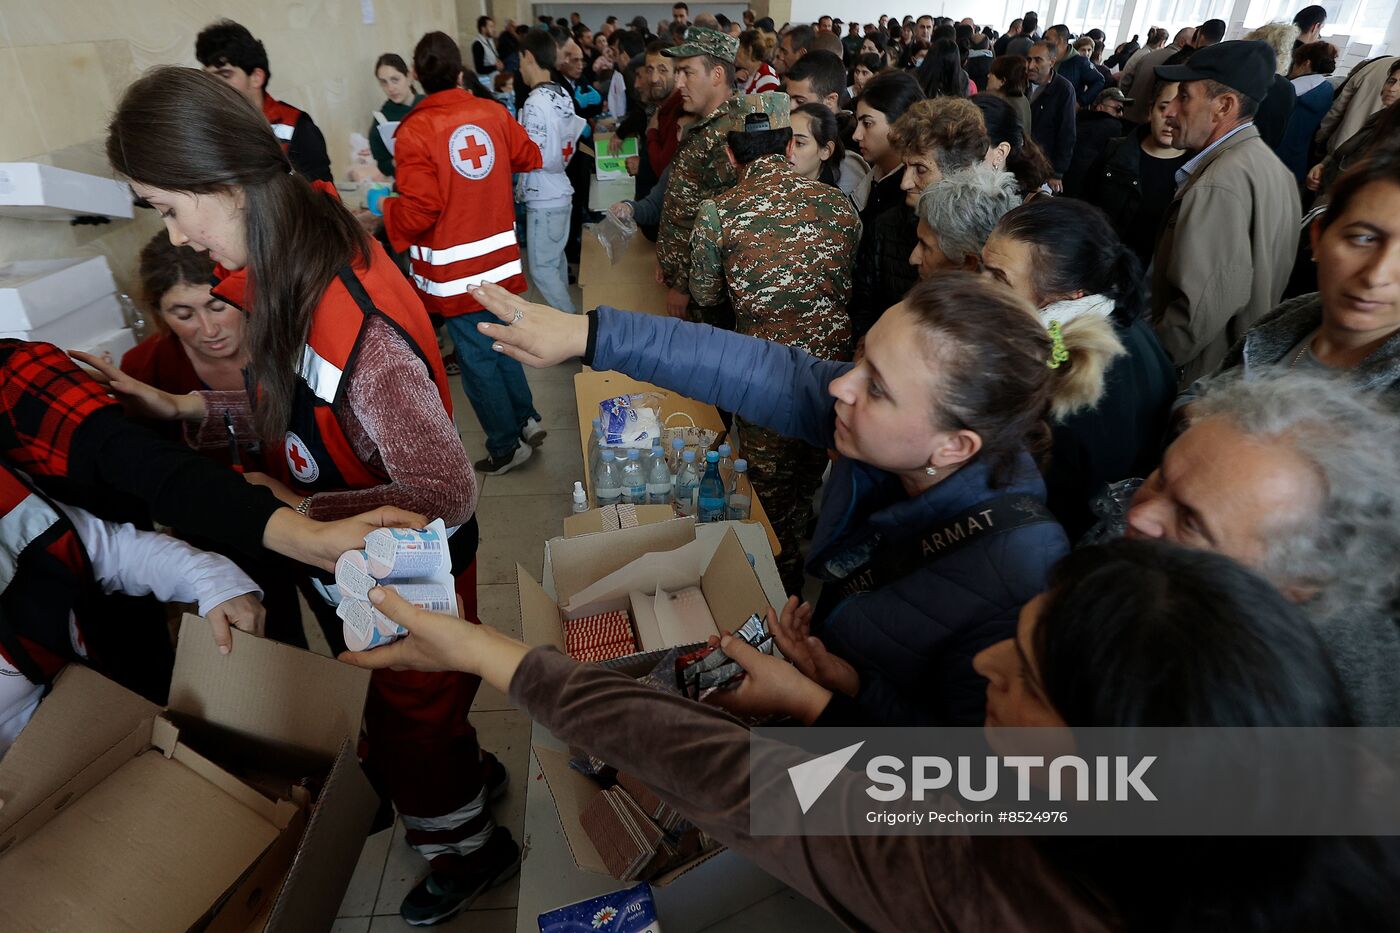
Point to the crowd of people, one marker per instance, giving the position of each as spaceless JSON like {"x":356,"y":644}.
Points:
{"x":1140,"y":312}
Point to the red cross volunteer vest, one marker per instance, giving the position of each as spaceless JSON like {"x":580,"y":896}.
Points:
{"x":282,"y":117}
{"x":45,"y":574}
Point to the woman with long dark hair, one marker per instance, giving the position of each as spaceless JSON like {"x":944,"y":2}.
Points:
{"x":1132,"y":636}
{"x":941,"y":74}
{"x":400,"y":96}
{"x":1062,"y":255}
{"x":815,"y":150}
{"x":1020,"y":155}
{"x":886,"y":98}
{"x":350,"y":401}
{"x":1007,"y":79}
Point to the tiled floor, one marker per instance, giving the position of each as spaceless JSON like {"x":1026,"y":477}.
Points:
{"x":517,"y":513}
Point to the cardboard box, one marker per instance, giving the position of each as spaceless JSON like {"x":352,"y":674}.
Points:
{"x":597,"y":520}
{"x":82,"y":326}
{"x":34,"y":292}
{"x":35,"y":191}
{"x":665,"y":554}
{"x":240,"y":806}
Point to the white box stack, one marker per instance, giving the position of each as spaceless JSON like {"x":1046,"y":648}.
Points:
{"x":71,"y":303}
{"x":34,"y":191}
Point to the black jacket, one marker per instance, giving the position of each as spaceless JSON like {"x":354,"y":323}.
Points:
{"x":1053,"y":122}
{"x":1113,"y":185}
{"x":882,"y":273}
{"x":1120,"y":438}
{"x":1093,"y":129}
{"x":1271,"y":120}
{"x":1081,"y":73}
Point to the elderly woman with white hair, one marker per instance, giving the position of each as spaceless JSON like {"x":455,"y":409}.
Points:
{"x":1297,"y":476}
{"x":957,"y":214}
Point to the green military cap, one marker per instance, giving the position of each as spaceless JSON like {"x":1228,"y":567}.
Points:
{"x":702,"y":41}
{"x":771,"y":110}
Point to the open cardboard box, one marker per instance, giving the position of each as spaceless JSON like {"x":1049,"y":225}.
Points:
{"x":241,"y":806}
{"x":667,"y":554}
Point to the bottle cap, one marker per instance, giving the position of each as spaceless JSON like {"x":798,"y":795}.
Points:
{"x":578,"y":490}
{"x":677,"y":442}
{"x":740,"y":465}
{"x":634,"y":454}
{"x":712,"y":456}
{"x":725,"y":450}
{"x":688,"y":456}
{"x":609,"y":455}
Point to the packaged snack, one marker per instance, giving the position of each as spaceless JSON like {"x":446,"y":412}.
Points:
{"x":402,"y":553}
{"x":366,"y":627}
{"x":599,"y":637}
{"x":627,"y":422}
{"x":629,"y":911}
{"x":700,"y":673}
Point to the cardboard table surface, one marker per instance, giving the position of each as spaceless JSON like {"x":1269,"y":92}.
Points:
{"x":591,"y":387}
{"x":647,"y":297}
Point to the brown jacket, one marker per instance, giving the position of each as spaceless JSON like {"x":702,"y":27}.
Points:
{"x":1227,"y":246}
{"x":696,"y":758}
{"x":1357,"y":98}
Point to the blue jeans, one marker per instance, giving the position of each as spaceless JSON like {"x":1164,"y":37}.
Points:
{"x":495,"y":384}
{"x":546,"y":235}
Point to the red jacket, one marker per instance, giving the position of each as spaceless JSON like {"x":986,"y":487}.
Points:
{"x":455,"y":211}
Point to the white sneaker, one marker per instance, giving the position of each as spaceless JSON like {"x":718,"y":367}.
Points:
{"x":533,"y":434}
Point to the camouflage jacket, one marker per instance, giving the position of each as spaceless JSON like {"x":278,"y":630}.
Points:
{"x":699,"y":170}
{"x":782,"y":248}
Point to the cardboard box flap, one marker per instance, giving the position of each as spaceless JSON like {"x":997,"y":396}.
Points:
{"x":539,"y":616}
{"x":669,"y":570}
{"x":571,"y":792}
{"x":594,"y":522}
{"x":83,"y":718}
{"x":730,"y":586}
{"x":578,"y":562}
{"x":329,"y":848}
{"x":301,"y":702}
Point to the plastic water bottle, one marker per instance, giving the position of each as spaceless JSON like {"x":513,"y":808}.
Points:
{"x":673,"y":459}
{"x":740,"y":495}
{"x":592,"y":454}
{"x":659,"y":478}
{"x":687,"y":483}
{"x":726,"y":463}
{"x":580,"y":497}
{"x":710,"y":496}
{"x":596,"y":446}
{"x":607,"y":482}
{"x":634,"y":479}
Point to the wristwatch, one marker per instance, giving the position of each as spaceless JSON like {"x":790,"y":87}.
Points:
{"x":304,"y":505}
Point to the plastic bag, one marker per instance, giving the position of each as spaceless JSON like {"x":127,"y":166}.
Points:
{"x":615,"y":235}
{"x":628,"y":422}
{"x":1110,"y":507}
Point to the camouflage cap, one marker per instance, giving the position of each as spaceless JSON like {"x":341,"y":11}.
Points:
{"x":702,"y":41}
{"x":771,"y":110}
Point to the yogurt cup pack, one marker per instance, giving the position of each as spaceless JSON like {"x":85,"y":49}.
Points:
{"x":415,"y":563}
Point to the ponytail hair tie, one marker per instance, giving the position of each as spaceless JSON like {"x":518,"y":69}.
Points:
{"x":1058,"y":353}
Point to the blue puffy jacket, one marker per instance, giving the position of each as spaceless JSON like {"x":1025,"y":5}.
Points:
{"x":913,"y":640}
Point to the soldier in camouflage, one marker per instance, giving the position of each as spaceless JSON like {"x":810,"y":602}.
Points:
{"x":699,"y":169}
{"x":779,"y":249}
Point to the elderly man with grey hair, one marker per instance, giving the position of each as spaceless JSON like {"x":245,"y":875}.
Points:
{"x":1298,"y":477}
{"x":956,"y":215}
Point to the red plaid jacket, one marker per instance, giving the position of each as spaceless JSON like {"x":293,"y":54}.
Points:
{"x":44,"y":397}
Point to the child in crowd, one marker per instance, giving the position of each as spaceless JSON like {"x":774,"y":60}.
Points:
{"x":503,"y":85}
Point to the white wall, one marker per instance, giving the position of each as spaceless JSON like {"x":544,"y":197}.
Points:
{"x":595,"y":13}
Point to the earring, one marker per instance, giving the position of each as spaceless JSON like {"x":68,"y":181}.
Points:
{"x":931,"y":471}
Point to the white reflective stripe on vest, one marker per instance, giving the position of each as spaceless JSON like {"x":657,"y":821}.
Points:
{"x":19,"y":528}
{"x":283,"y":131}
{"x":320,"y":374}
{"x":451,"y":254}
{"x":459,"y":286}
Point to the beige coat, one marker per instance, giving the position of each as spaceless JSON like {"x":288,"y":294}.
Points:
{"x":1227,"y":247}
{"x":1358,"y":98}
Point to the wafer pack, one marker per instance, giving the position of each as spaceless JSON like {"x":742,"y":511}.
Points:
{"x":600,"y":637}
{"x":631,"y":845}
{"x":702,"y":672}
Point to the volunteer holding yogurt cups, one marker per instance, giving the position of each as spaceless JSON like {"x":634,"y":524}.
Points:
{"x":351,"y":404}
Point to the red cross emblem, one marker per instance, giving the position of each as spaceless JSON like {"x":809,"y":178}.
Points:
{"x":568,"y":150}
{"x":472,"y":151}
{"x":300,"y":461}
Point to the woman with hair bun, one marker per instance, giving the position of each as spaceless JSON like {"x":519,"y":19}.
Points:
{"x":1116,"y":383}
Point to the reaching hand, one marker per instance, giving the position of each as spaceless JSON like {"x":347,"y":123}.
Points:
{"x":769,"y":685}
{"x":677,"y":303}
{"x":138,"y":398}
{"x":320,"y":544}
{"x":622,"y":210}
{"x":793,"y":635}
{"x":536,"y":335}
{"x":245,"y":613}
{"x":1314,"y":179}
{"x":1057,"y":185}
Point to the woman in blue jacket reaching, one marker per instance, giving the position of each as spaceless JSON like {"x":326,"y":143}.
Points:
{"x":933,"y":531}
